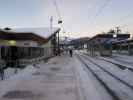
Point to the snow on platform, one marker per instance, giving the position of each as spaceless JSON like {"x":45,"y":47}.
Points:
{"x":66,"y":78}
{"x":62,"y":78}
{"x":55,"y":80}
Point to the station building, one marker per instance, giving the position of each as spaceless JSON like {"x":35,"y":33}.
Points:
{"x":24,"y":46}
{"x":30,"y":37}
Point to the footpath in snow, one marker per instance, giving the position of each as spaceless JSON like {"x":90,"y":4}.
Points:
{"x":61,"y":78}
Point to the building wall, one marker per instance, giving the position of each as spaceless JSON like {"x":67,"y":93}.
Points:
{"x":48,"y":44}
{"x":51,"y":45}
{"x":48,"y":48}
{"x":18,"y":43}
{"x":4,"y":42}
{"x":7,"y":42}
{"x":26,"y":43}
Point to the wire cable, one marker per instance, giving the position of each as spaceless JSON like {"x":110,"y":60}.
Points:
{"x":57,"y":9}
{"x":105,"y":4}
{"x":125,"y":18}
{"x":100,"y":10}
{"x":59,"y":15}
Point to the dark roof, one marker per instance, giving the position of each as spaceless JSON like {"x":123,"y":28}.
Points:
{"x":28,"y":35}
{"x":102,"y":38}
{"x":80,"y":40}
{"x":123,"y":41}
{"x":110,"y":36}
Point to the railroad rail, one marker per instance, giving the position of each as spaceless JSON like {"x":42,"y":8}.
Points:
{"x":123,"y":67}
{"x":110,"y":91}
{"x":124,"y":82}
{"x":113,"y":93}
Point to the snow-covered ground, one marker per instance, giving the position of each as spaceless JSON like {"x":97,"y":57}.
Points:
{"x":119,"y":81}
{"x":124,"y":58}
{"x":118,"y":60}
{"x":55,"y":80}
{"x":91,"y":88}
{"x":66,"y":78}
{"x":10,"y":72}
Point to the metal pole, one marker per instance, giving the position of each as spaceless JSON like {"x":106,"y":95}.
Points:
{"x":58,"y":44}
{"x":59,"y":22}
{"x":51,"y":29}
{"x":51,"y":24}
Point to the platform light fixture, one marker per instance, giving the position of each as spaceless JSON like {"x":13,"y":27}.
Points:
{"x":114,"y":35}
{"x":12,"y":42}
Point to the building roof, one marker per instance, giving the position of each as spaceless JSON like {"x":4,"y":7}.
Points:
{"x":41,"y":31}
{"x":40,"y":35}
{"x":82,"y":40}
{"x":108,"y":38}
{"x":123,"y":41}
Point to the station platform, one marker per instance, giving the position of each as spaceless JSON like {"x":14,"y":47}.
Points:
{"x":61,"y":78}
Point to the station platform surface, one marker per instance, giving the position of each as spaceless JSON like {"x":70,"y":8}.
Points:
{"x":61,"y":78}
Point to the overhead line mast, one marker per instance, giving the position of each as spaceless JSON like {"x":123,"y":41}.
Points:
{"x":58,"y":12}
{"x":60,"y":21}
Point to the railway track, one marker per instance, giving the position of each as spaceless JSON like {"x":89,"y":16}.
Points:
{"x":118,"y":65}
{"x":124,"y":82}
{"x":122,"y":67}
{"x":114,"y":93}
{"x":118,"y":58}
{"x":110,"y":91}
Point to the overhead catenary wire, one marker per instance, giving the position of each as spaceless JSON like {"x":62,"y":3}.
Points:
{"x":105,"y":4}
{"x":124,"y":18}
{"x":55,"y":3}
{"x":100,"y":10}
{"x":57,"y":9}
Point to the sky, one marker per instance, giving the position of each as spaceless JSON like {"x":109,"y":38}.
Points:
{"x":80,"y":17}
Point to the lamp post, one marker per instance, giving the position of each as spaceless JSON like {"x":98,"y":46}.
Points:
{"x":51,"y":24}
{"x":58,"y":39}
{"x":54,"y":42}
{"x":59,"y":22}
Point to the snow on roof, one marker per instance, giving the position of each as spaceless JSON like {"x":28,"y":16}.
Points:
{"x":42,"y":31}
